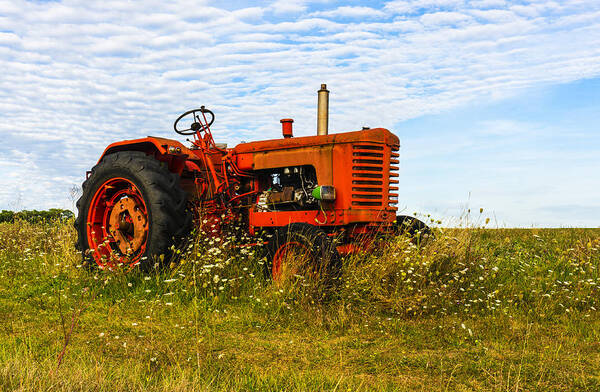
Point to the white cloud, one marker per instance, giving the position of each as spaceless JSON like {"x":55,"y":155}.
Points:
{"x":351,"y":12}
{"x":249,"y":14}
{"x":9,"y":39}
{"x":483,"y":4}
{"x":400,"y":7}
{"x":443,"y":18}
{"x":494,"y":16}
{"x":412,"y":6}
{"x":288,"y":6}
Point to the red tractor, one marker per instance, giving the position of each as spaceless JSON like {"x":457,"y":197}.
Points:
{"x":325,"y":194}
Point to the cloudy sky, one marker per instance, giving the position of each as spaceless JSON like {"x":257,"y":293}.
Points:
{"x":496,"y":103}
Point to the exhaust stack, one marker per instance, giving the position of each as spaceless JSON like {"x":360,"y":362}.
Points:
{"x":323,"y":111}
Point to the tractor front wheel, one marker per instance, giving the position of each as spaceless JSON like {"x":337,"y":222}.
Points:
{"x":300,"y":249}
{"x":131,"y":212}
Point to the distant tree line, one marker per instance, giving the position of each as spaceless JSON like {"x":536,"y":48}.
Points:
{"x":35,"y":216}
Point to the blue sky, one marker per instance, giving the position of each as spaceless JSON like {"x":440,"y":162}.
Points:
{"x":496,"y":102}
{"x":529,"y":160}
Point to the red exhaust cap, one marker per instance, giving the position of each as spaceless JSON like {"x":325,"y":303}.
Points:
{"x":286,"y":127}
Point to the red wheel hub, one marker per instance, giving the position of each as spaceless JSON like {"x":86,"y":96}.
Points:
{"x":117,"y":224}
{"x":285,"y":255}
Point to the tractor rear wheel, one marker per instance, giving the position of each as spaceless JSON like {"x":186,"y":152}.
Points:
{"x":300,"y":249}
{"x":131,"y":212}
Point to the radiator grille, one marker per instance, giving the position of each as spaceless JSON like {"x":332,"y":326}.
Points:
{"x":368,"y":182}
{"x":375,"y":176}
{"x":393,"y":179}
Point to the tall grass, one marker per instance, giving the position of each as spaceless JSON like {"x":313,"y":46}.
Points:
{"x":489,"y":309}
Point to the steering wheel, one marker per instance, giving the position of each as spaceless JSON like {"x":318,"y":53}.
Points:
{"x":197,"y":125}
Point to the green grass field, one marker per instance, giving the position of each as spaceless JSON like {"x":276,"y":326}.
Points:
{"x":476,"y":309}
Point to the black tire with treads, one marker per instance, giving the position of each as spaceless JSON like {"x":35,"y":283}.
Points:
{"x":412,"y":227}
{"x":169,"y":219}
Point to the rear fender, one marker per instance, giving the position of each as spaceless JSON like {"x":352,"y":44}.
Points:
{"x":172,"y":152}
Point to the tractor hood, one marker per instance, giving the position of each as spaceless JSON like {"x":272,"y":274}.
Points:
{"x":375,"y":135}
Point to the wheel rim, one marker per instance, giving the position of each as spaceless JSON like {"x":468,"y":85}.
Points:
{"x":282,"y":257}
{"x":117,"y":224}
